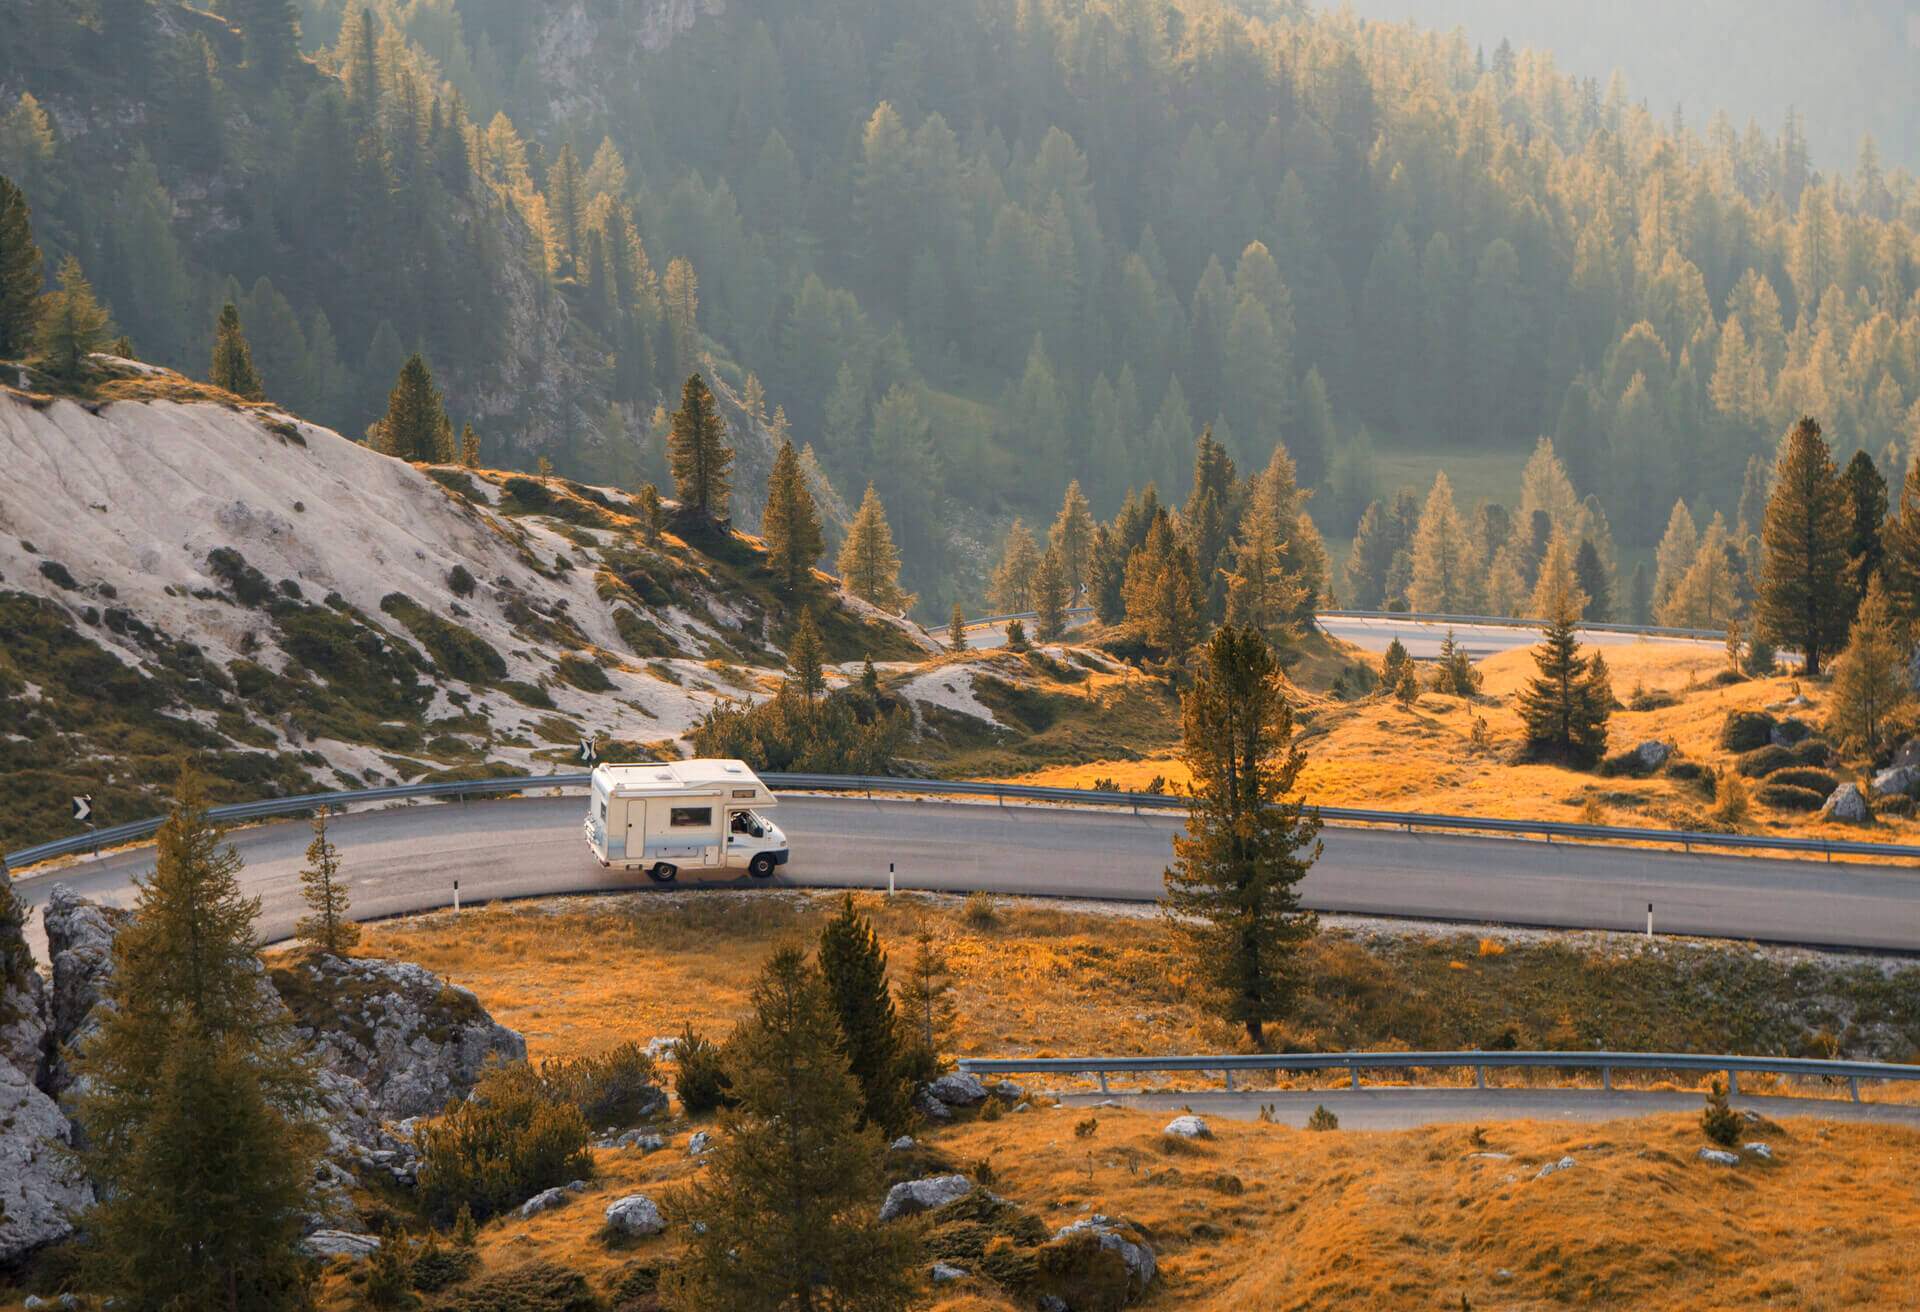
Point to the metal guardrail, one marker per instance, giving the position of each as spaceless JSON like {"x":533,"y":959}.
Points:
{"x":988,"y":621}
{"x":1518,"y":622}
{"x":1354,"y":1062}
{"x":873,"y":784}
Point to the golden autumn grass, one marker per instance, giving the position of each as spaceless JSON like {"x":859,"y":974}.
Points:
{"x":1379,"y":754}
{"x":1269,"y":1217}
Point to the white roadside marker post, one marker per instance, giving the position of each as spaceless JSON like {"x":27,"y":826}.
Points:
{"x":1649,"y":920}
{"x":889,"y":879}
{"x":456,"y":897}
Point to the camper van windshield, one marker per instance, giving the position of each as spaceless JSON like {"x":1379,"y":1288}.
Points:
{"x":691,"y":817}
{"x":746,"y":822}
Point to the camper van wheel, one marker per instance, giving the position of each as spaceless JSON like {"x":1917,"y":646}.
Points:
{"x":662,"y":873}
{"x":761,"y":867}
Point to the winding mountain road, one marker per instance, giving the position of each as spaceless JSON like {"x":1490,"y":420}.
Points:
{"x":407,"y":859}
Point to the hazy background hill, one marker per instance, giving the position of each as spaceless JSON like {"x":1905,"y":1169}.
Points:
{"x":1850,"y":68}
{"x":975,"y":248}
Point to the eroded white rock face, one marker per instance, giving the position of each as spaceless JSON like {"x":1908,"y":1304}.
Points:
{"x":80,"y":948}
{"x":40,"y":1186}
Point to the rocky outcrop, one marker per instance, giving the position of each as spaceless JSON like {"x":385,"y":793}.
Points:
{"x":340,"y":1243}
{"x":548,"y":1199}
{"x":958,"y":1089}
{"x":1121,"y":1238}
{"x":1652,"y":754}
{"x":40,"y":1186}
{"x":1187,"y":1127}
{"x":415,"y":1041}
{"x":23,"y":994}
{"x":80,"y":948}
{"x":1897,"y":781}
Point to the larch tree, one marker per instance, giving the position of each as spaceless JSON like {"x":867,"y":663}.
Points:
{"x":806,"y":661}
{"x":698,"y":452}
{"x":1050,"y":596}
{"x":869,"y":563}
{"x":1260,"y":595}
{"x":232,"y":367}
{"x":1232,"y":893}
{"x":791,"y":523}
{"x":1867,"y":512}
{"x":1557,"y":578}
{"x":784,"y":1215}
{"x":1565,"y":706}
{"x":415,"y":426}
{"x":1901,"y":539}
{"x":1675,"y":554}
{"x":1869,"y":677}
{"x":1803,"y":599}
{"x":1072,"y":536}
{"x":325,"y":926}
{"x":854,"y":966}
{"x":197,"y":1100}
{"x":1707,"y":595}
{"x":957,"y":629}
{"x":652,"y":517}
{"x":1011,"y":588}
{"x":469,"y":447}
{"x":20,"y":276}
{"x":926,"y":1003}
{"x":1444,"y":574}
{"x":72,"y":326}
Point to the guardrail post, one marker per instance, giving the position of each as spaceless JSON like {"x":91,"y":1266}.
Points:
{"x":1733,"y":1084}
{"x":1606,"y":1078}
{"x":1853,"y":1086}
{"x":1354,"y":1072}
{"x":1103,"y":1081}
{"x":1229,"y":1075}
{"x":1479,"y":1077}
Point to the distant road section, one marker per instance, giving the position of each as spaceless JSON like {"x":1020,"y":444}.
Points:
{"x":1422,"y":638}
{"x":408,"y":859}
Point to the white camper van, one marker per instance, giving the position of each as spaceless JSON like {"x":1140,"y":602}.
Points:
{"x":683,"y":815}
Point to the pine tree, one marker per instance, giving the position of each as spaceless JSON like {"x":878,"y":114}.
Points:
{"x":1675,"y":555}
{"x":783,"y":1216}
{"x":1444,"y":578}
{"x":1590,"y":573}
{"x":957,"y":629}
{"x":72,"y":326}
{"x":1901,"y":538}
{"x":1869,"y":678}
{"x":869,"y":564}
{"x":1565,"y":707}
{"x":698,"y":451}
{"x":1454,"y":674}
{"x":1867,"y":508}
{"x":926,"y":1004}
{"x":272,"y":31}
{"x":1394,"y":664}
{"x":1011,"y":588}
{"x":1803,"y":598}
{"x":1050,"y":596}
{"x":806,"y":662}
{"x":1640,"y":596}
{"x":854,"y":966}
{"x":566,"y":201}
{"x":791,"y":524}
{"x":325,"y":893}
{"x":415,"y":426}
{"x":196,"y":1099}
{"x":20,"y":277}
{"x":469,"y":447}
{"x":1072,"y":536}
{"x":1016,"y":636}
{"x":652,"y":518}
{"x":869,"y":679}
{"x":232,"y":367}
{"x":1232,"y":892}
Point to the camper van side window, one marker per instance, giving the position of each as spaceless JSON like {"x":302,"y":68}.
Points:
{"x":603,"y":809}
{"x":690,"y":817}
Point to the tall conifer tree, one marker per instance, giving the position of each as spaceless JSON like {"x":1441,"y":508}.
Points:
{"x":869,"y":563}
{"x":73,"y":325}
{"x":325,"y":925}
{"x":1804,"y":600}
{"x":232,"y":367}
{"x":194,"y":1096}
{"x":1901,"y":538}
{"x":1867,"y":512}
{"x":698,"y":452}
{"x":20,"y":276}
{"x":416,"y":426}
{"x":1232,"y":891}
{"x":1050,"y":596}
{"x":791,"y":524}
{"x":957,"y":629}
{"x":854,"y":966}
{"x":1869,"y":678}
{"x":1565,"y":706}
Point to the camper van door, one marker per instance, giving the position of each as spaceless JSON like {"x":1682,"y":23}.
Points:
{"x":684,"y":831}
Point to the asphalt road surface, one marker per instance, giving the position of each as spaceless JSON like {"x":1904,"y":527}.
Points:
{"x":1401,"y":1109}
{"x":408,"y":859}
{"x":1422,"y":639}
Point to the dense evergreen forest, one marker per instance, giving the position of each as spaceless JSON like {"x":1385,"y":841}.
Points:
{"x":977,"y":248}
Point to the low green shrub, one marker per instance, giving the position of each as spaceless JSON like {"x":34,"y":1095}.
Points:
{"x":1718,"y":1121}
{"x":618,"y":1087}
{"x":1788,"y":797}
{"x":512,"y":1138}
{"x":1743,"y":731}
{"x":535,"y":1287}
{"x":701,"y":1080}
{"x":1822,"y":782}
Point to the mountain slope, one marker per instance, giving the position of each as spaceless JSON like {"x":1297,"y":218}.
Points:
{"x":184,"y":573}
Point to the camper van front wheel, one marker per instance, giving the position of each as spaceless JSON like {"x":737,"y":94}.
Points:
{"x":761,"y":867}
{"x":662,"y":873}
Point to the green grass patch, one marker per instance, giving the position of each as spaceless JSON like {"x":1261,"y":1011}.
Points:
{"x":459,"y":652}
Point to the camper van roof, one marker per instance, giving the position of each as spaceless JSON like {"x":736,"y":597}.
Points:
{"x":675,"y":775}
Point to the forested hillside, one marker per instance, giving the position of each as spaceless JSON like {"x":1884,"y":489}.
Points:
{"x":974,"y":248}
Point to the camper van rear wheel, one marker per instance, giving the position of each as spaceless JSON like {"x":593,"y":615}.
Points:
{"x":761,"y":867}
{"x":662,"y":873}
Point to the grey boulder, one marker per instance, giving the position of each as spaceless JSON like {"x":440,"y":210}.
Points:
{"x":1896,"y":781}
{"x":1187,"y":1127}
{"x":1847,"y":805}
{"x":912,"y":1197}
{"x":1554,"y":1168}
{"x":340,"y":1243}
{"x":40,"y":1185}
{"x":1719,"y":1158}
{"x":548,"y":1199}
{"x":1652,"y":754}
{"x":1118,"y":1236}
{"x":634,"y":1216}
{"x":958,"y":1089}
